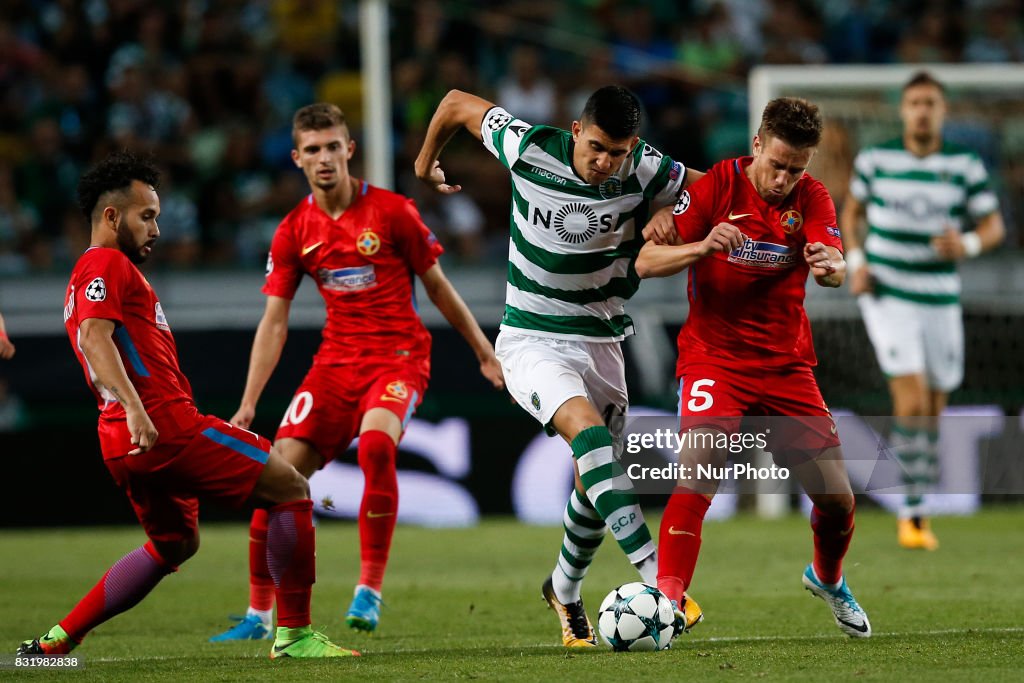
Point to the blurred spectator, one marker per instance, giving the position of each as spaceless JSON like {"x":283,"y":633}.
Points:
{"x":46,"y":182}
{"x":17,"y":226}
{"x":179,"y":224}
{"x":526,"y":90}
{"x":210,"y":87}
{"x":709,"y":48}
{"x":998,"y":34}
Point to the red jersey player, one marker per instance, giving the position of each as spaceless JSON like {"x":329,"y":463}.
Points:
{"x":156,"y":444}
{"x":752,"y":229}
{"x":361,"y":245}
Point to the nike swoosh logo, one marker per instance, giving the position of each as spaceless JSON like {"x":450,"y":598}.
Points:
{"x":863,"y":628}
{"x":306,"y":250}
{"x":672,"y":531}
{"x":734,"y":216}
{"x":374,"y":515}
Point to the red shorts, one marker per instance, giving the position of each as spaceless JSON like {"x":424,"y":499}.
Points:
{"x":195,"y":456}
{"x":328,"y":407}
{"x":719,"y":397}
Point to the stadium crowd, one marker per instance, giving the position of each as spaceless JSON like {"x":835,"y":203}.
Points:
{"x":209,"y":86}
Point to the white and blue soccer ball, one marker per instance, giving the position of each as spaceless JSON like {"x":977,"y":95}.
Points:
{"x":636,"y":617}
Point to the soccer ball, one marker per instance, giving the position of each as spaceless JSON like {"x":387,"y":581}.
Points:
{"x":636,"y":617}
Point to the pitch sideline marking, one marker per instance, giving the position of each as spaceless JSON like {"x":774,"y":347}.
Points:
{"x":696,"y":641}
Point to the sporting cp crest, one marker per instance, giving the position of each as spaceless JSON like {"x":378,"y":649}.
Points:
{"x":611,"y":188}
{"x":792,"y":221}
{"x":368,"y":243}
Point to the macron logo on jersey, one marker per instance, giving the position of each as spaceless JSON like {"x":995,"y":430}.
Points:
{"x":763,"y":255}
{"x":348,"y":279}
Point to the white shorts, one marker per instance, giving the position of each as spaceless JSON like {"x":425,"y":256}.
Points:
{"x":543,"y":373}
{"x":916,"y":339}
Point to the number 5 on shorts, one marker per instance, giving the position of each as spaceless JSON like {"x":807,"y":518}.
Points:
{"x":699,"y":399}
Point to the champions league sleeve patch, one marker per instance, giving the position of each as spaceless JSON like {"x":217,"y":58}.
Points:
{"x":497,"y":119}
{"x":834,"y":231}
{"x":96,"y":290}
{"x":682,"y":204}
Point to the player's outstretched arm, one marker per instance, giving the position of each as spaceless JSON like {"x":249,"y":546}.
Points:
{"x":827,"y":264}
{"x":95,"y":338}
{"x":663,"y":260}
{"x":457,"y":110}
{"x":6,"y":347}
{"x":271,"y":335}
{"x":850,"y":221}
{"x":455,"y":311}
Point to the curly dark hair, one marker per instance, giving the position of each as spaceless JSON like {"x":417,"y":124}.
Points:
{"x":615,"y":110}
{"x":114,"y":173}
{"x":793,"y":120}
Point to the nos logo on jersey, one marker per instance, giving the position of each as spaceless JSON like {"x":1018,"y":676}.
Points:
{"x":575,"y":223}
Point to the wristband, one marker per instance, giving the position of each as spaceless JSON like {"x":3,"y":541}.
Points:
{"x":3,"y":335}
{"x":971,"y":242}
{"x":855,"y":260}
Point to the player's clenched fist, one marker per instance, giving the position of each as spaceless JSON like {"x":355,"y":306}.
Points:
{"x":723,"y":237}
{"x":819,"y":259}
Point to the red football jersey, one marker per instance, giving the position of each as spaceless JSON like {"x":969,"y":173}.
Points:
{"x":105,"y":284}
{"x":363,"y":263}
{"x":746,"y":307}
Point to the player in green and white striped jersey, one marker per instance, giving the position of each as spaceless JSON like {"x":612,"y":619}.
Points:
{"x":928,"y":205}
{"x":580,"y":201}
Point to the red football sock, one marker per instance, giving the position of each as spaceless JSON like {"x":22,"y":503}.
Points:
{"x":291,"y":558}
{"x":121,"y":588}
{"x":261,"y":584}
{"x":379,"y":509}
{"x":679,"y":541}
{"x":832,"y":536}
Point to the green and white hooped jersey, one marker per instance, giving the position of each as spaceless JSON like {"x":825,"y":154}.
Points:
{"x":911,"y":199}
{"x":573,"y":245}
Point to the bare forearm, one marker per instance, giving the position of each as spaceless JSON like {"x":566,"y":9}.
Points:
{"x":100,"y":351}
{"x":663,"y":260}
{"x":991,"y":231}
{"x":458,"y":315}
{"x":850,"y":221}
{"x":266,"y":352}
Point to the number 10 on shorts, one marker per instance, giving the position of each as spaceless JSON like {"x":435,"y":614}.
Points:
{"x":299,"y":409}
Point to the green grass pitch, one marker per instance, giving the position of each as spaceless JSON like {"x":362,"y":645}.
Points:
{"x":466,"y":604}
